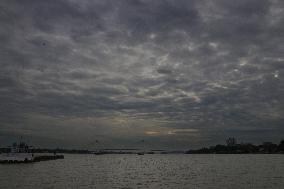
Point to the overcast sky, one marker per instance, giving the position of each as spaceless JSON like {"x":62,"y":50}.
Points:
{"x":178,"y":74}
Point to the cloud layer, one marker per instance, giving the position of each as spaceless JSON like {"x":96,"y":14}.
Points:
{"x":178,"y":74}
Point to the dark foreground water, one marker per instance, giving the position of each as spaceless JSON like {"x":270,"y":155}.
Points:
{"x":149,"y":171}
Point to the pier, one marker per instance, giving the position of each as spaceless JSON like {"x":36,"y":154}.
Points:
{"x":35,"y":159}
{"x":21,"y":153}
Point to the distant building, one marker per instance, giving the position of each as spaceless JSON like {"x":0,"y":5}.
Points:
{"x":231,"y":141}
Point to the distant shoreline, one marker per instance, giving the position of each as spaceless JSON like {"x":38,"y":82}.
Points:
{"x":230,"y":148}
{"x":244,"y":148}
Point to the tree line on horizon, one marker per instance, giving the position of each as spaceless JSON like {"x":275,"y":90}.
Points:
{"x":232,"y":147}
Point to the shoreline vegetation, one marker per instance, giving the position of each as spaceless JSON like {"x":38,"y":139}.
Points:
{"x":232,"y":147}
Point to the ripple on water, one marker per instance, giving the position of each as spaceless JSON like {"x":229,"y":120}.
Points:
{"x":149,"y":171}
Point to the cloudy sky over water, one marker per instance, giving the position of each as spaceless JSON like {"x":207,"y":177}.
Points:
{"x":177,"y":74}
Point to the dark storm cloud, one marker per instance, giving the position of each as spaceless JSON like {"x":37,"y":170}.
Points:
{"x":159,"y":16}
{"x":143,"y":68}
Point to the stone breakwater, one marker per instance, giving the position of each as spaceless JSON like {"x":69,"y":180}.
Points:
{"x":35,"y":159}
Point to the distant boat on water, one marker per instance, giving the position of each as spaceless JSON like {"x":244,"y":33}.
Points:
{"x":98,"y":153}
{"x":143,"y":152}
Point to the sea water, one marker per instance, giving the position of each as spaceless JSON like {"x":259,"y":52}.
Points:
{"x":206,"y":171}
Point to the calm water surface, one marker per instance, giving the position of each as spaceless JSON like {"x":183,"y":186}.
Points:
{"x":149,"y":171}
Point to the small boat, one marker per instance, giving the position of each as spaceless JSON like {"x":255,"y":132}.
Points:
{"x":98,"y":153}
{"x":142,"y":152}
